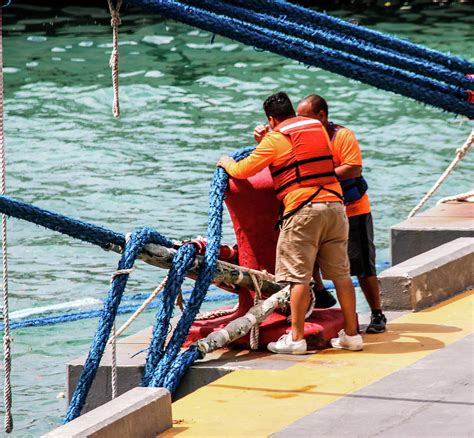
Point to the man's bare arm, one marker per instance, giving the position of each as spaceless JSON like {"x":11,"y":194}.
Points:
{"x":348,"y":171}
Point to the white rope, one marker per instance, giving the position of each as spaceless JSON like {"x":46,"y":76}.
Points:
{"x":119,"y":272}
{"x":460,"y":153}
{"x":7,"y":392}
{"x":141,"y":309}
{"x":462,"y":197}
{"x":213,"y":314}
{"x":114,"y":363}
{"x":255,"y":331}
{"x":114,"y":57}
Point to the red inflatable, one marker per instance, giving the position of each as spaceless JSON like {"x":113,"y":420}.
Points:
{"x":253,"y":208}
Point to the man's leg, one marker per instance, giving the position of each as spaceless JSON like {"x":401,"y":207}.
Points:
{"x":318,"y":281}
{"x":296,"y":255}
{"x":370,"y":287}
{"x":347,"y":299}
{"x":299,"y":303}
{"x":324,"y":298}
{"x":334,"y":262}
{"x":361,"y":250}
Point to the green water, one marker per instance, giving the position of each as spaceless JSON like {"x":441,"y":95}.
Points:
{"x":184,"y":101}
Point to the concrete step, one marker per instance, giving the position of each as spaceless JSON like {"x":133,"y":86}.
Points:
{"x":429,"y":278}
{"x":432,"y":228}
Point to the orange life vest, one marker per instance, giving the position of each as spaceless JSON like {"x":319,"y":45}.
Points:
{"x":311,"y":163}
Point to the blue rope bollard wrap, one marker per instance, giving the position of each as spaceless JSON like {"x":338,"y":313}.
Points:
{"x":164,"y":368}
{"x":132,"y":249}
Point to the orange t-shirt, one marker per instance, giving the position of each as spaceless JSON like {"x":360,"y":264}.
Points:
{"x":346,"y":150}
{"x":275,"y":149}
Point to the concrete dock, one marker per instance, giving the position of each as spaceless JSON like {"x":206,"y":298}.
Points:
{"x":416,"y":380}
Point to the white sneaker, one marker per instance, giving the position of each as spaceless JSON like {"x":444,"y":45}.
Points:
{"x":346,"y":342}
{"x":286,"y":345}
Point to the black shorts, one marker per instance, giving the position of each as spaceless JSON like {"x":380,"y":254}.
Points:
{"x":361,"y":246}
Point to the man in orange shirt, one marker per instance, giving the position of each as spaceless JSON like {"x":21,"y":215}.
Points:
{"x":361,"y":248}
{"x":314,"y":227}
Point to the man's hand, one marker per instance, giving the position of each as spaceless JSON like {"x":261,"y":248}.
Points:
{"x":260,"y":131}
{"x":224,"y":161}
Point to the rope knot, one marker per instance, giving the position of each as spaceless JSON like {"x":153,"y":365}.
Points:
{"x":113,"y":62}
{"x":115,"y":19}
{"x":120,"y":272}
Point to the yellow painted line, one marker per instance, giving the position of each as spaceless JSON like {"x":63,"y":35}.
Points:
{"x":258,"y":403}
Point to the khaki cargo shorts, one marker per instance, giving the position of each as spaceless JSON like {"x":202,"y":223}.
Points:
{"x":316,"y":233}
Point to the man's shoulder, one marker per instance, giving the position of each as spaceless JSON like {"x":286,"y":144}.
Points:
{"x":345,"y":134}
{"x":275,"y":138}
{"x":343,"y":129}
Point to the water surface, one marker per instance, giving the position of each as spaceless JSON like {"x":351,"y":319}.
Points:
{"x":186,"y":98}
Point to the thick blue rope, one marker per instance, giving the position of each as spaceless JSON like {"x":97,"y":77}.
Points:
{"x":84,"y":231}
{"x":379,"y":75}
{"x":133,"y":247}
{"x":182,"y":261}
{"x":42,"y":321}
{"x":214,"y":231}
{"x":339,"y":41}
{"x":309,"y":17}
{"x":179,"y":367}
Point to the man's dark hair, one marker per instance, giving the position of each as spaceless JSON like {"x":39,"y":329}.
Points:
{"x":317,"y":103}
{"x":279,"y":106}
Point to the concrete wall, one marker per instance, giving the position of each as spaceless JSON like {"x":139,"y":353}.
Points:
{"x":432,"y":228}
{"x":139,"y":413}
{"x":429,"y":278}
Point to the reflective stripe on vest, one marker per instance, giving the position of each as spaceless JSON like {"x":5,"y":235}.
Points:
{"x":310,"y":163}
{"x":354,"y":188}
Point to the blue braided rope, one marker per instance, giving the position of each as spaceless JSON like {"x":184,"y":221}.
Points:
{"x":339,"y":41}
{"x":84,"y":231}
{"x":379,"y":75}
{"x":180,"y":366}
{"x":214,"y":231}
{"x":182,"y":261}
{"x":42,"y":321}
{"x":140,"y":296}
{"x":132,"y":249}
{"x":309,"y":17}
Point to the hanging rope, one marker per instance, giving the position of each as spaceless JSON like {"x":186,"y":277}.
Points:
{"x":113,"y":378}
{"x":114,"y":57}
{"x":460,"y":153}
{"x":113,"y":338}
{"x":255,"y":331}
{"x":7,"y":392}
